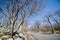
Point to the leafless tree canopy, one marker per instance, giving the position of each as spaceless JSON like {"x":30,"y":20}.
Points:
{"x":48,"y":19}
{"x":15,"y":12}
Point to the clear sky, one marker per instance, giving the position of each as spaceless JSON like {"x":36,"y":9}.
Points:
{"x":50,"y":7}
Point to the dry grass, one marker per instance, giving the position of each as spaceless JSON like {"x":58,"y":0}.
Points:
{"x":29,"y":37}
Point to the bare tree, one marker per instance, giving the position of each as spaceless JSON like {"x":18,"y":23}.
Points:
{"x":58,"y":14}
{"x":36,"y":26}
{"x":17,"y":11}
{"x":55,"y":21}
{"x":48,"y":20}
{"x":53,"y":18}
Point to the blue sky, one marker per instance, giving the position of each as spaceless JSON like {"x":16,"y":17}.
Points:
{"x":50,"y":7}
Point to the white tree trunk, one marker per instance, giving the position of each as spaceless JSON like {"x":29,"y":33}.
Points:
{"x":20,"y":29}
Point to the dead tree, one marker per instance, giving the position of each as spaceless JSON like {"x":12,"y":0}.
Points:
{"x":57,"y":13}
{"x":19,"y":10}
{"x":48,"y":20}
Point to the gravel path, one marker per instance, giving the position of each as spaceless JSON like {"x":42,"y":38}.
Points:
{"x":45,"y":36}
